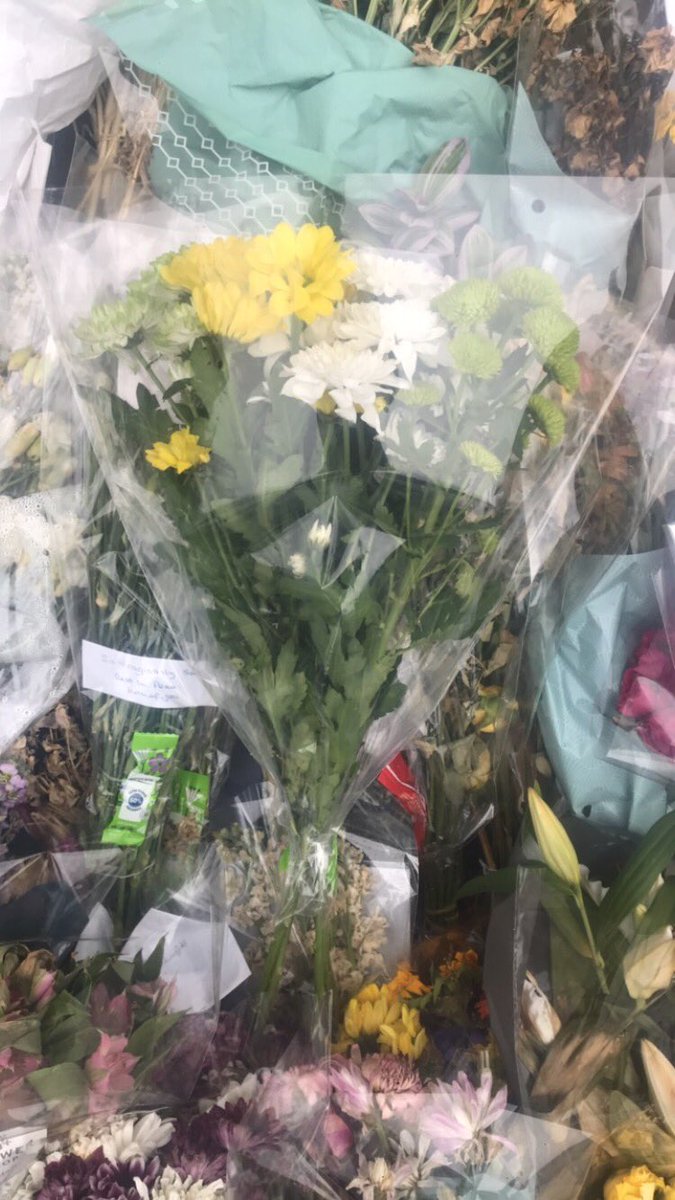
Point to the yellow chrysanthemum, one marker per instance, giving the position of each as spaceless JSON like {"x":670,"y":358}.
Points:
{"x":404,"y":1036}
{"x":303,"y":272}
{"x":180,"y":453}
{"x":368,"y":1011}
{"x":637,"y":1183}
{"x":229,"y":310}
{"x":222,"y":260}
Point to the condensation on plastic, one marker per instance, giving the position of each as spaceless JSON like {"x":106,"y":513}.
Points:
{"x":181,"y":1002}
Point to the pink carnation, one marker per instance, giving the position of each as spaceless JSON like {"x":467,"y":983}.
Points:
{"x":647,"y":694}
{"x":109,"y":1070}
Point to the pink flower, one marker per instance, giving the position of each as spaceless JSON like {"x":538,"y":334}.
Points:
{"x":352,"y":1091}
{"x":292,"y":1092}
{"x":43,"y":989}
{"x":109,"y":1070}
{"x":14,"y":1090}
{"x":647,"y":694}
{"x":396,"y":1083}
{"x":338,"y":1135}
{"x":458,"y":1114}
{"x":110,"y":1015}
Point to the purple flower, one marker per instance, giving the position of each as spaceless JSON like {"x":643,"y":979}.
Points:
{"x":96,"y":1178}
{"x":458,"y":1114}
{"x":158,"y":764}
{"x":200,"y":1145}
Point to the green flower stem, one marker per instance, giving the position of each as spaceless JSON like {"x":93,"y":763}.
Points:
{"x":597,"y":957}
{"x":373,"y":11}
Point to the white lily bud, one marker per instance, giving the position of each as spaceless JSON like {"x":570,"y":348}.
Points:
{"x":649,"y":965}
{"x":538,"y":1013}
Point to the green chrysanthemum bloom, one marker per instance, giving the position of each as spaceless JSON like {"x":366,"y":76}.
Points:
{"x":473,"y":354}
{"x":565,"y":370}
{"x":423,"y":396}
{"x":470,"y":303}
{"x":176,"y":327}
{"x":465,"y":581}
{"x":479,"y":456}
{"x":111,"y":326}
{"x":548,"y":417}
{"x":531,"y":285}
{"x":551,"y":332}
{"x":150,"y":288}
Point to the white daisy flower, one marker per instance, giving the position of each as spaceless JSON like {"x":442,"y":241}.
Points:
{"x":170,"y":1186}
{"x":122,"y":1139}
{"x":405,"y":329}
{"x":352,"y":378}
{"x":382,"y":275}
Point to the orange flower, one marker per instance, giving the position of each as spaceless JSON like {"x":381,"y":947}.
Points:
{"x":460,"y":961}
{"x":406,"y":984}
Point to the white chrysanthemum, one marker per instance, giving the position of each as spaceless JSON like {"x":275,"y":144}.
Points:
{"x":122,"y":1139}
{"x":381,"y":275}
{"x":235,"y":1091}
{"x":352,"y":378}
{"x":405,"y":329}
{"x":32,"y":1182}
{"x":170,"y":1186}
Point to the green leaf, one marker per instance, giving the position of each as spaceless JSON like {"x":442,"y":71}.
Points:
{"x":497,"y":882}
{"x":55,"y":1084}
{"x":148,"y":969}
{"x":24,"y":1034}
{"x":147,"y":1039}
{"x":635,"y":880}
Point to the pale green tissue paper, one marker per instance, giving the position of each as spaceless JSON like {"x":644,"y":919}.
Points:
{"x":608,"y":603}
{"x":310,"y":86}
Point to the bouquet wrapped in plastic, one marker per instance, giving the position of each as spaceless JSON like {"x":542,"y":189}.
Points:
{"x":317,"y":448}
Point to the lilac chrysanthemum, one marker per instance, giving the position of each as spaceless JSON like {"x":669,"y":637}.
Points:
{"x":458,"y":1116}
{"x":96,"y":1178}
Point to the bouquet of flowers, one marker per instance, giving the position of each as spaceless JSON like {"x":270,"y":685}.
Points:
{"x":347,"y":428}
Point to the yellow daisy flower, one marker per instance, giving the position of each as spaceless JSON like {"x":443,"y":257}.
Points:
{"x":223,"y":259}
{"x":303,"y":272}
{"x":180,"y":453}
{"x":227,"y":309}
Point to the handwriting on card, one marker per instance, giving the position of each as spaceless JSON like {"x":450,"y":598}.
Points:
{"x":152,"y":682}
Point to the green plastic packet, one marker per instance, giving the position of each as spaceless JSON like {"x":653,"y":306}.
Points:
{"x":139,"y":791}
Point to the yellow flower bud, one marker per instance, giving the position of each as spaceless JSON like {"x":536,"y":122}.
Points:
{"x":556,"y":847}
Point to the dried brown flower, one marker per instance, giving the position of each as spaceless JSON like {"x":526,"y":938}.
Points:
{"x":658,"y":50}
{"x":558,"y":14}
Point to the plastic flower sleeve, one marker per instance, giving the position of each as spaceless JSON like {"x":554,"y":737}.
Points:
{"x":368,"y":1122}
{"x":591,"y":956}
{"x":34,"y":667}
{"x":95,"y":1023}
{"x":357,"y":454}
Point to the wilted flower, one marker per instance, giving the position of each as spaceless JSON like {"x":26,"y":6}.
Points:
{"x":660,"y":1074}
{"x":538,"y":1013}
{"x":649,"y":965}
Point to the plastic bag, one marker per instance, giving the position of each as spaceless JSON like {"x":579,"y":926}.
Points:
{"x":375,"y":530}
{"x":579,"y":971}
{"x":93,"y":1023}
{"x":37,"y":466}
